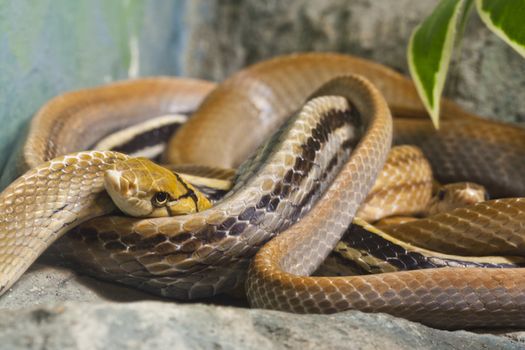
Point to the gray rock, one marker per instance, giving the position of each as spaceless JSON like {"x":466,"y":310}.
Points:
{"x":90,"y":42}
{"x":44,"y":284}
{"x":161,"y":325}
{"x":56,"y":308}
{"x":224,"y":36}
{"x":514,"y":335}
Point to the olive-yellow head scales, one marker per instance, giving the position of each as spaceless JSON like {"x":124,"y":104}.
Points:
{"x":141,"y":188}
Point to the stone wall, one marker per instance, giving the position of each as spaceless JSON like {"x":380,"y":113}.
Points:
{"x":223,"y":36}
{"x":48,"y":47}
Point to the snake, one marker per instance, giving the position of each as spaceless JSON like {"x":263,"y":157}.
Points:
{"x":309,"y":134}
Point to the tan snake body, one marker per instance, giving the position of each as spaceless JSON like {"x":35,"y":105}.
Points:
{"x":206,"y":253}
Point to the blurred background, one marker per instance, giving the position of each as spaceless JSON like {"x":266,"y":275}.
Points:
{"x":48,"y":47}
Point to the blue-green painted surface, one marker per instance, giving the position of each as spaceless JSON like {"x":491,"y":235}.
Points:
{"x":51,"y":46}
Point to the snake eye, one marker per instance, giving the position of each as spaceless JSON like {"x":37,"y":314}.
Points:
{"x":160,"y":199}
{"x":441,"y":195}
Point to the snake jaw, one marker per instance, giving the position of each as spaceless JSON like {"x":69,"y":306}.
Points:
{"x":121,"y":191}
{"x":117,"y":184}
{"x":114,"y":181}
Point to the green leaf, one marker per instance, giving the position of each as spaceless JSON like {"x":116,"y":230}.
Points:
{"x":429,"y":52}
{"x":506,"y":18}
{"x":467,"y":9}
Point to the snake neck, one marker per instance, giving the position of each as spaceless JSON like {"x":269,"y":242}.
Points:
{"x":46,"y":202}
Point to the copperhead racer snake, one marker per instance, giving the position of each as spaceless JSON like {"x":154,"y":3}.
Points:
{"x":301,"y":179}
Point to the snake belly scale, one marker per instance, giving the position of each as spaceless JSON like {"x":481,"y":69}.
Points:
{"x":304,"y":184}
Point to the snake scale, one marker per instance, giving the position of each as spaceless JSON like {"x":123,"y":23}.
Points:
{"x":302,"y":183}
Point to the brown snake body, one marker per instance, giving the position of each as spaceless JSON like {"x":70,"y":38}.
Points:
{"x":326,"y":159}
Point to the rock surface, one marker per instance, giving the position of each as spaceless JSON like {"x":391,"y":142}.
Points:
{"x":71,"y":45}
{"x":44,"y":284}
{"x":55,"y":308}
{"x":224,"y":36}
{"x":158,"y":325}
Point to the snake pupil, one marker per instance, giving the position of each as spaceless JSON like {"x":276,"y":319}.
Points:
{"x":160,"y":198}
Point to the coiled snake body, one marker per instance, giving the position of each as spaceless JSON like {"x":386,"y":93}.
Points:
{"x":305,"y":183}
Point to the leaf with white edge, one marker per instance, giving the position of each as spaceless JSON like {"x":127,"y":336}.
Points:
{"x":429,"y":52}
{"x":506,"y":18}
{"x":467,"y":9}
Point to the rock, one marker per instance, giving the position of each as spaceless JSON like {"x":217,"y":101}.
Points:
{"x":514,"y":335}
{"x":223,"y":36}
{"x":162,"y":325}
{"x":44,"y":284}
{"x":53,"y":307}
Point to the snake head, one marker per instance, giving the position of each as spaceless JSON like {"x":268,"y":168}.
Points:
{"x":456,"y":195}
{"x":141,"y":188}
